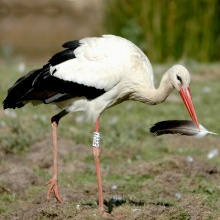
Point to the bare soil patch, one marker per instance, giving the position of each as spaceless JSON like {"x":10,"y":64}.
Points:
{"x":18,"y":175}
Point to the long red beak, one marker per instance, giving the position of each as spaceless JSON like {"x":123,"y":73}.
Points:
{"x":187,"y":99}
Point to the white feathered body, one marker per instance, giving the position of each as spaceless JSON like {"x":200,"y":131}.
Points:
{"x":110,"y":63}
{"x":93,"y":74}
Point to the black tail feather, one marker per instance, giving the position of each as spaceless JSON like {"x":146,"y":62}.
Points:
{"x":18,"y":93}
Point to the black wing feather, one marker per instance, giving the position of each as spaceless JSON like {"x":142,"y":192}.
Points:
{"x":62,"y":57}
{"x":65,"y":55}
{"x":41,"y":85}
{"x":71,"y":44}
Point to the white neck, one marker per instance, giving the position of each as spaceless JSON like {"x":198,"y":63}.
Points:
{"x":154,"y":96}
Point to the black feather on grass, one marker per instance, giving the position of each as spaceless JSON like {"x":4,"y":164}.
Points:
{"x":182,"y":127}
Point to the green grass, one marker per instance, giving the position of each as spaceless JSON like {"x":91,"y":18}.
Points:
{"x":148,"y":171}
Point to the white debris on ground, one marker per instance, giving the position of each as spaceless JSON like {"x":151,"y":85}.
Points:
{"x":206,"y":89}
{"x":10,"y":113}
{"x":117,"y":197}
{"x":213,"y":153}
{"x":189,"y":159}
{"x":114,"y":187}
{"x":136,"y":210}
{"x":178,"y":195}
{"x":21,"y":67}
{"x":2,"y":123}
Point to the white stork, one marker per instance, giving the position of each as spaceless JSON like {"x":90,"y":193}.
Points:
{"x":91,"y":75}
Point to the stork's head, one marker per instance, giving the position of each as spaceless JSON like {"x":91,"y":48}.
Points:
{"x":180,"y":79}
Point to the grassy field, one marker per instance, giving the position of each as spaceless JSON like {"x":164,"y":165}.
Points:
{"x":144,"y":177}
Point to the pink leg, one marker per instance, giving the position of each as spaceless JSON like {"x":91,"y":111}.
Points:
{"x":97,"y":155}
{"x":54,"y":180}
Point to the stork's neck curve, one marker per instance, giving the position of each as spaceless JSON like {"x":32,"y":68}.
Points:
{"x":163,"y":91}
{"x":152,"y":95}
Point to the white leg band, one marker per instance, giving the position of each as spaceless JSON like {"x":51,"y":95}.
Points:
{"x":96,"y":139}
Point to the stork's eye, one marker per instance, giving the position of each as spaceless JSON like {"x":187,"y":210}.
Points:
{"x":179,"y":79}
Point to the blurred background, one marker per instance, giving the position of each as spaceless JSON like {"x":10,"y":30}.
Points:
{"x":166,"y":30}
{"x":149,"y":178}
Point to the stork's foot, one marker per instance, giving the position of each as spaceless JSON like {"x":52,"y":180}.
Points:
{"x":107,"y":215}
{"x":53,"y":187}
